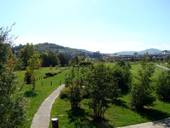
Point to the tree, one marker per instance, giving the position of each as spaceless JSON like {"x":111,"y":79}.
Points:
{"x":142,"y":92}
{"x":12,"y":106}
{"x":49,"y":59}
{"x":163,"y":85}
{"x":26,"y":53}
{"x":63,"y":59}
{"x":33,"y":63}
{"x":74,"y":60}
{"x":74,"y":81}
{"x":99,"y":85}
{"x":123,"y":75}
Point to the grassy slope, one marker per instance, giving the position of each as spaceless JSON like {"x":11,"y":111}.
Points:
{"x":119,"y":114}
{"x":37,"y":96}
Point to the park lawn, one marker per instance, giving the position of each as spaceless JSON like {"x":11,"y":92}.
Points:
{"x":119,"y":114}
{"x":37,"y":96}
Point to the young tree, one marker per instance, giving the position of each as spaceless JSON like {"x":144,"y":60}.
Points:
{"x":163,"y":85}
{"x":74,"y":81}
{"x":12,"y":104}
{"x":33,"y":63}
{"x":26,"y":53}
{"x":142,"y":92}
{"x":123,"y":75}
{"x":99,"y":86}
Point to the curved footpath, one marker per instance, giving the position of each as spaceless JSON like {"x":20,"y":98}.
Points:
{"x":42,"y":116}
{"x":165,"y":123}
{"x":163,"y":67}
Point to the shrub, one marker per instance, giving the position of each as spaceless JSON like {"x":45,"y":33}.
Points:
{"x":64,"y":93}
{"x":85,"y":63}
{"x":163,"y":85}
{"x":52,"y":73}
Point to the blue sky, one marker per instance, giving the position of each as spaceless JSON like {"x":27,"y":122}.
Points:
{"x":107,"y":26}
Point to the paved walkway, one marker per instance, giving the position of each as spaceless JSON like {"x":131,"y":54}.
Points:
{"x":42,"y":117}
{"x":165,"y":123}
{"x":163,"y":67}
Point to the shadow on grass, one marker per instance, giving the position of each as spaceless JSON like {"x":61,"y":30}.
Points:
{"x":82,"y":119}
{"x":165,"y":100}
{"x":100,"y":123}
{"x":119,"y":103}
{"x":152,"y":114}
{"x":30,"y":93}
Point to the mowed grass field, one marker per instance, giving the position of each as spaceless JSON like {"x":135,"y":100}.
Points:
{"x":119,"y":114}
{"x":37,"y":96}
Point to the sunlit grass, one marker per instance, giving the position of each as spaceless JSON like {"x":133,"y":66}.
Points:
{"x":37,"y":96}
{"x":119,"y":114}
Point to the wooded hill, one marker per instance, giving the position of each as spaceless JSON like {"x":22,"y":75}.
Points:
{"x":46,"y":47}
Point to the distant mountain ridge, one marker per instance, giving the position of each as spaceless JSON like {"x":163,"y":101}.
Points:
{"x":150,"y":51}
{"x":46,"y":47}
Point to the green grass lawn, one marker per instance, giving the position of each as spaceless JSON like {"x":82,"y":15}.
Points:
{"x":37,"y":96}
{"x":119,"y":114}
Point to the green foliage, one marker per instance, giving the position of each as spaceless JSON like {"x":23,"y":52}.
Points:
{"x":64,"y":93}
{"x":27,"y":77}
{"x":74,"y":60}
{"x":101,"y":87}
{"x":163,"y":85}
{"x":12,"y":106}
{"x":121,"y":63}
{"x":63,"y":59}
{"x":75,"y":81}
{"x":85,"y":63}
{"x":142,"y":92}
{"x":30,"y":73}
{"x":26,"y":53}
{"x":52,"y":73}
{"x":119,"y":114}
{"x":49,"y":59}
{"x":123,"y":75}
{"x":56,"y":67}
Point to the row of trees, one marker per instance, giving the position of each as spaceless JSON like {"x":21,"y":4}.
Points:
{"x":100,"y":83}
{"x":46,"y":59}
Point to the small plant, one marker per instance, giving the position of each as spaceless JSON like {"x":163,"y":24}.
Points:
{"x":50,"y":67}
{"x":27,"y":77}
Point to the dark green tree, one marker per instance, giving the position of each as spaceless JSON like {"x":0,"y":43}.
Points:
{"x":12,"y":104}
{"x":142,"y":91}
{"x":163,"y":85}
{"x":63,"y":59}
{"x":74,"y":81}
{"x":99,"y":85}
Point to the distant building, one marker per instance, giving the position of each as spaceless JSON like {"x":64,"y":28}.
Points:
{"x":165,"y":52}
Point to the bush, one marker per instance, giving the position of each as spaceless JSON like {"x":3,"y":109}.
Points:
{"x":163,"y":85}
{"x":85,"y":63}
{"x":52,"y":73}
{"x":64,"y":93}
